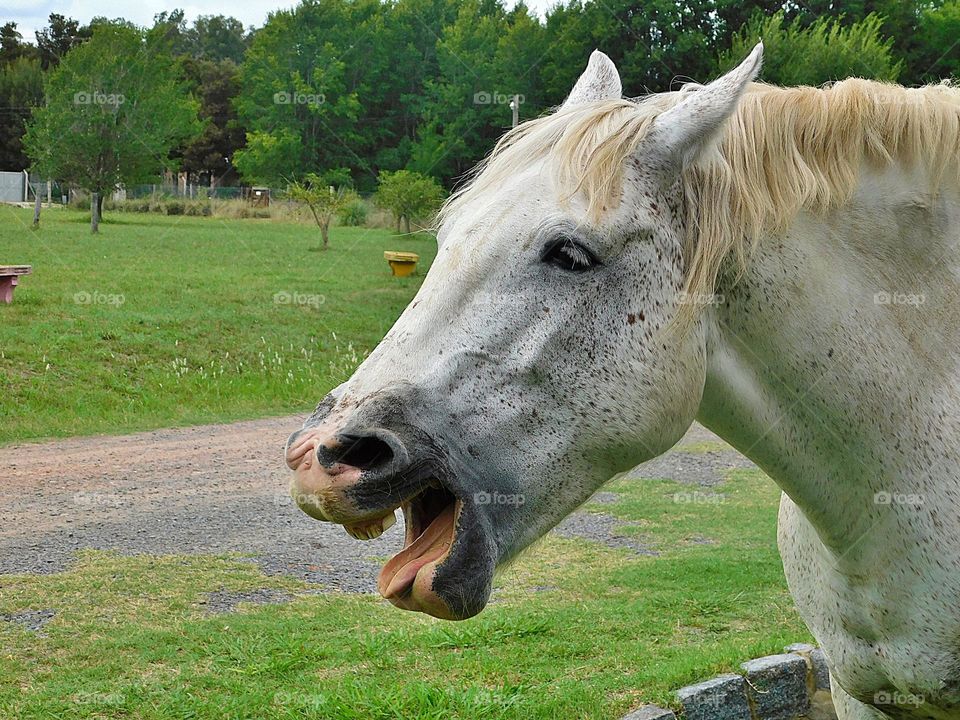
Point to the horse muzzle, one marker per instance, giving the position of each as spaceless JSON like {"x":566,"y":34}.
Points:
{"x":358,"y":475}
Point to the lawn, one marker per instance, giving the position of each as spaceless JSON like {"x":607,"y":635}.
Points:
{"x":161,"y":321}
{"x":576,"y":629}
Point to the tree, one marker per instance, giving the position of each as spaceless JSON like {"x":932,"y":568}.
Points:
{"x":485,"y":57}
{"x":217,"y":38}
{"x":818,"y":53}
{"x":295,"y":100}
{"x":409,"y":196}
{"x":61,"y":35}
{"x":114,"y":110}
{"x":215,"y":84}
{"x":269,"y":157}
{"x":938,"y":54}
{"x":21,"y":90}
{"x":326,"y":196}
{"x":12,"y":46}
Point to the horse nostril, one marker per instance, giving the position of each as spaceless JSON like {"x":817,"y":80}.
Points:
{"x":365,"y":451}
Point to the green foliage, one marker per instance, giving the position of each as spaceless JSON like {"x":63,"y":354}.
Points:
{"x":12,"y":45}
{"x":485,"y":57}
{"x":823,"y":51}
{"x":938,"y":52}
{"x":425,"y":85}
{"x":354,"y":214}
{"x":268,"y":156}
{"x":215,"y":84}
{"x":114,"y":111}
{"x":296,"y":100}
{"x":59,"y":37}
{"x":409,"y":196}
{"x":21,"y":89}
{"x":324,"y":199}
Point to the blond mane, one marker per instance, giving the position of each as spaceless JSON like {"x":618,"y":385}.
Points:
{"x":783,"y":150}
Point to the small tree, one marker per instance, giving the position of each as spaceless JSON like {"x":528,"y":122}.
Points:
{"x":114,"y":110}
{"x":326,"y":196}
{"x":823,"y":51}
{"x":408,"y":196}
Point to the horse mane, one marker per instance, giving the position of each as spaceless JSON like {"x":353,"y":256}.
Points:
{"x":783,"y":150}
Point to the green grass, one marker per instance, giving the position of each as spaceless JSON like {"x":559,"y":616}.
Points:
{"x":606,"y":631}
{"x":161,"y":321}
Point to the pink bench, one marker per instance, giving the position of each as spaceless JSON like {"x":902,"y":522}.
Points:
{"x":9,"y":277}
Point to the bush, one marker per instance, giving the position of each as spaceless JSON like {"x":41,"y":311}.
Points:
{"x":198,"y":208}
{"x":174,"y":207}
{"x":410,"y":196}
{"x":79,"y":201}
{"x":813,"y":55}
{"x":354,"y":214}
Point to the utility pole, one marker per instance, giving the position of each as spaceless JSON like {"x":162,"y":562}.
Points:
{"x":515,"y":106}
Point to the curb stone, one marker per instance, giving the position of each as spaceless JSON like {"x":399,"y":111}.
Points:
{"x":722,"y":698}
{"x":650,"y":712}
{"x":775,"y":687}
{"x":778,"y":686}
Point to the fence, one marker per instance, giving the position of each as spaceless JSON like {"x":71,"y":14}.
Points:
{"x":13,"y":186}
{"x":193,"y":191}
{"x":19,"y":187}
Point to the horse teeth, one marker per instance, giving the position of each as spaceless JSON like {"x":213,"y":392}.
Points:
{"x":387,"y":521}
{"x":372,"y":530}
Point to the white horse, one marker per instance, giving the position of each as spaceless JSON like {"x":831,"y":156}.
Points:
{"x":780,"y":264}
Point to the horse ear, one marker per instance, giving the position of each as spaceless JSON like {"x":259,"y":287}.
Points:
{"x":683,"y":131}
{"x":600,"y":81}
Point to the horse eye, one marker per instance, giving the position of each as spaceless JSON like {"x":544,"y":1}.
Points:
{"x":569,"y":255}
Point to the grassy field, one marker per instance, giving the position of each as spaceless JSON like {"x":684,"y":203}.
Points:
{"x":161,"y":321}
{"x":577,"y":630}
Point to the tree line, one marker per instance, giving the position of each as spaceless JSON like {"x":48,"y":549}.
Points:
{"x":368,"y":86}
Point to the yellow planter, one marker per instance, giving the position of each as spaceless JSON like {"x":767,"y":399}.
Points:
{"x":401,"y":263}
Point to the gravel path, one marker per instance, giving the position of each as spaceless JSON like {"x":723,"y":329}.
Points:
{"x":223,"y":488}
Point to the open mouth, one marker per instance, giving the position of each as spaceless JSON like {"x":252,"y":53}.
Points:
{"x":431,"y":520}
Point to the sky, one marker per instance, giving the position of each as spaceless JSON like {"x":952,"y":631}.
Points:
{"x":31,"y":15}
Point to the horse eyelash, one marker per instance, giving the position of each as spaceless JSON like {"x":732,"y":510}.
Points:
{"x":577,"y":254}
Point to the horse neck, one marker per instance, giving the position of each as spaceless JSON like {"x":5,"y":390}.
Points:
{"x":833,"y":360}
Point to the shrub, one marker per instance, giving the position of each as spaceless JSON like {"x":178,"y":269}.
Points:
{"x":79,"y":201}
{"x":409,"y":196}
{"x":174,"y":207}
{"x":812,"y":55}
{"x":354,"y":214}
{"x":198,"y":208}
